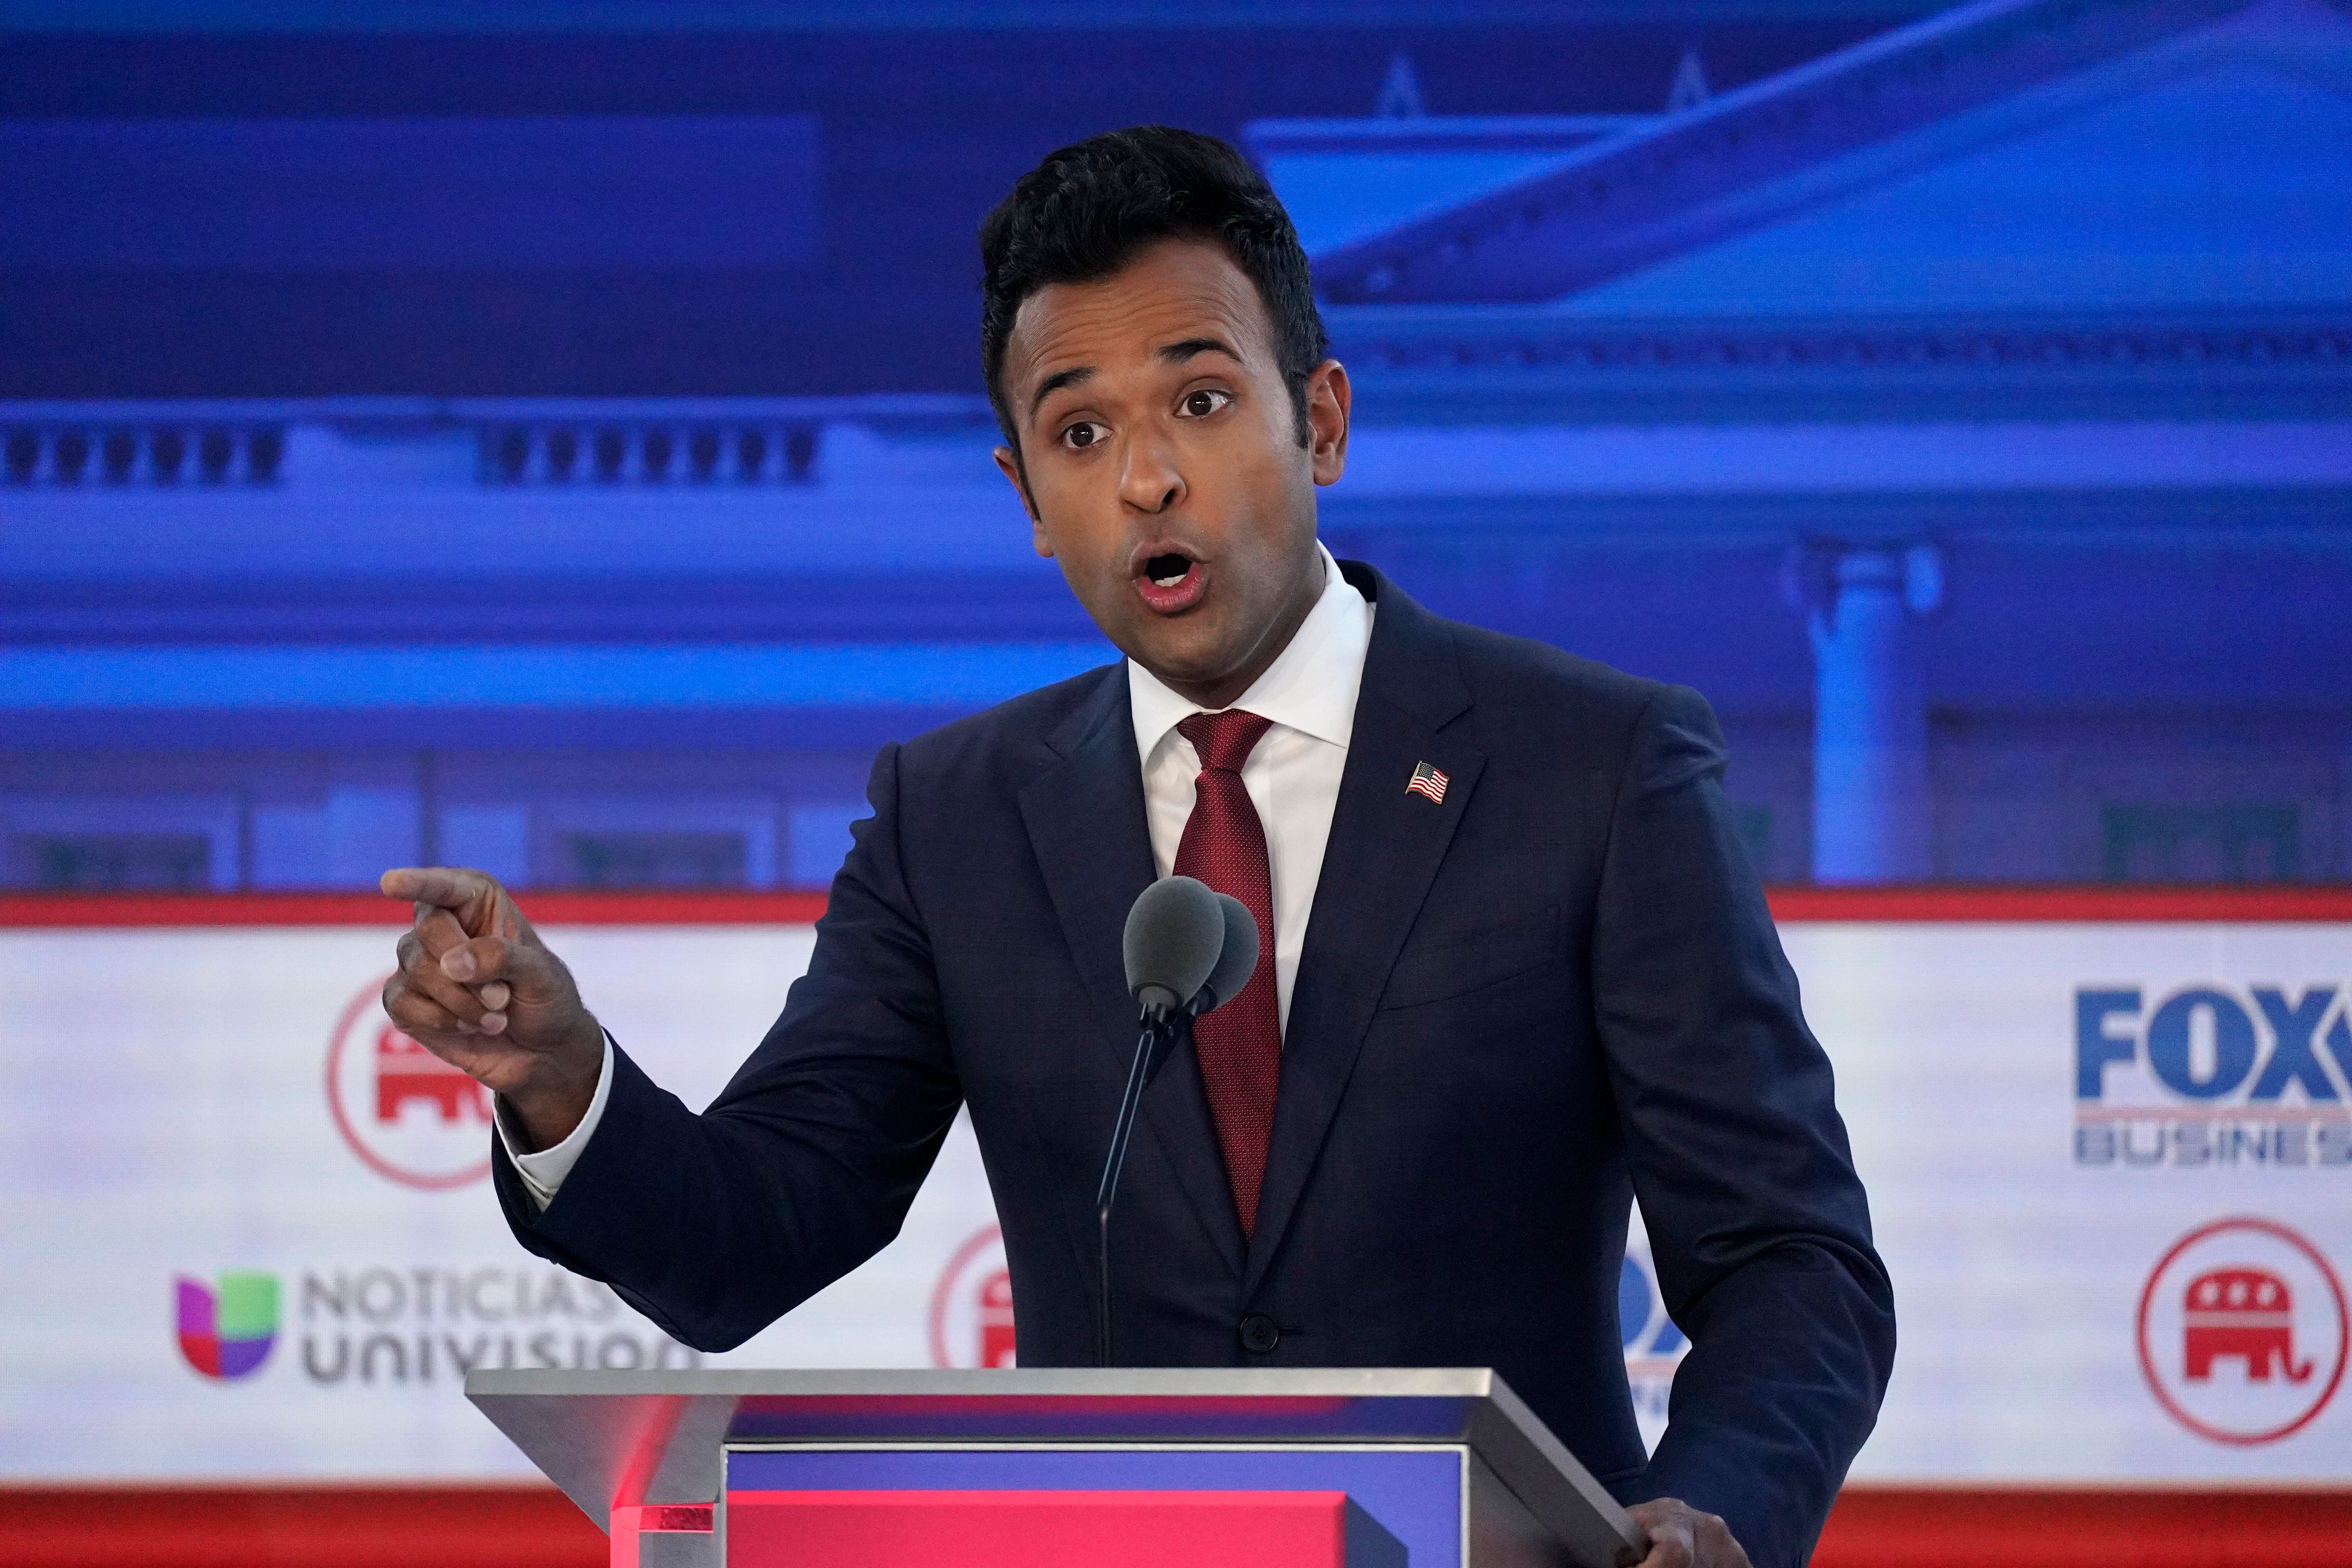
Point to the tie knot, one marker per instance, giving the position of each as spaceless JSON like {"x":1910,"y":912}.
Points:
{"x":1225,"y":740}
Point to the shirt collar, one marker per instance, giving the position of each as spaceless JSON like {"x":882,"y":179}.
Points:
{"x":1310,"y":687}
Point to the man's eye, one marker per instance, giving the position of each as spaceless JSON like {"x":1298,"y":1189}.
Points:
{"x":1084,"y":433}
{"x":1201,"y":403}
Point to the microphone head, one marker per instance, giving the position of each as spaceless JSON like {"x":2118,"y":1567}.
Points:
{"x":1174,"y":934}
{"x":1237,"y":963}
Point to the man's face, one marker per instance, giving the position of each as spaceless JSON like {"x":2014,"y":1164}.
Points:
{"x":1163,"y":466}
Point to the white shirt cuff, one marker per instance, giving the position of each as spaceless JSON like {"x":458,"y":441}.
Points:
{"x":544,"y":1171}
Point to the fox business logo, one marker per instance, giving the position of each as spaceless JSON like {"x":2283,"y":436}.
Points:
{"x":2212,"y":1076}
{"x":1655,"y":1346}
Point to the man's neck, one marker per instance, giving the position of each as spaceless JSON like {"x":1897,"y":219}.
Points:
{"x":1223,"y":693}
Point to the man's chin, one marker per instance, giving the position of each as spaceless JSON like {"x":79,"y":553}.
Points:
{"x":1182,"y":663}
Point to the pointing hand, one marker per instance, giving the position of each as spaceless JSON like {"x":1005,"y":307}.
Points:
{"x":479,"y":989}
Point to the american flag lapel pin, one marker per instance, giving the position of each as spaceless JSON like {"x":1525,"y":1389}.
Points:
{"x":1427,"y":780}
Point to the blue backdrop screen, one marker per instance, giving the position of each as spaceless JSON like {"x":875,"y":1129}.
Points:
{"x":559,"y":447}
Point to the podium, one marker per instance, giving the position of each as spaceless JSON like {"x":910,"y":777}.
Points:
{"x":1135,"y":1467}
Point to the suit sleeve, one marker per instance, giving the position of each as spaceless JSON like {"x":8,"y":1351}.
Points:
{"x":1757,"y":1222}
{"x":714,"y":1225}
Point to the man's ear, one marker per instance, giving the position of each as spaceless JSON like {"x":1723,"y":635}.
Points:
{"x":1008,"y":463}
{"x":1330,"y":404}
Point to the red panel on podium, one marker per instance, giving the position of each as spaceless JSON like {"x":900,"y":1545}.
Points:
{"x":1039,"y":1529}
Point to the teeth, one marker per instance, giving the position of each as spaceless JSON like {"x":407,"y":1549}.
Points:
{"x":1169,"y":582}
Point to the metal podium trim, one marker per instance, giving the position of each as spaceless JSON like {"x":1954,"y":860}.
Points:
{"x":613,"y":1438}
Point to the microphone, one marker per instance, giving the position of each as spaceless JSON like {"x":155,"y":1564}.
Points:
{"x":1187,"y":948}
{"x":1175,"y":934}
{"x":1236,"y":961}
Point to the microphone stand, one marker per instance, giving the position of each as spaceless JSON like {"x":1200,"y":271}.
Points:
{"x":1160,"y":1025}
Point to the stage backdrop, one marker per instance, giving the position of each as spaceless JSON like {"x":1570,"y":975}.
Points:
{"x":251,"y":1235}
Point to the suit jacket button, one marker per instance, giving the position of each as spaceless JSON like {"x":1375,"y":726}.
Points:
{"x":1259,"y":1333}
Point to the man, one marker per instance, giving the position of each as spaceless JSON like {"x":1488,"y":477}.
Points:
{"x":1517,"y":969}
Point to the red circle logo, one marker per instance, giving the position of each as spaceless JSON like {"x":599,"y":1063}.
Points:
{"x":2242,"y":1331}
{"x":408,"y":1115}
{"x":971,"y":1306}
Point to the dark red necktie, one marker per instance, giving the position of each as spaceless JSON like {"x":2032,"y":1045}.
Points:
{"x":1240,"y":1044}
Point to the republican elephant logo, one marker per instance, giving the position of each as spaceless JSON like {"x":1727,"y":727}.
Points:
{"x":406,"y":1071}
{"x":409,"y":1116}
{"x":998,"y":1344}
{"x":2241,"y":1312}
{"x":971,"y":1306}
{"x":2243,"y":1332}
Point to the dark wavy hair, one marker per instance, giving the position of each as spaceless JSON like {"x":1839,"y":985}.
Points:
{"x":1084,"y":212}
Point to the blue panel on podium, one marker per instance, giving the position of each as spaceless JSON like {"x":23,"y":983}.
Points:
{"x":1134,"y":1418}
{"x":1415,"y":1493}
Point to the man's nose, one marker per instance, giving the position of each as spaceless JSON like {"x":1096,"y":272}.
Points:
{"x":1149,"y":480}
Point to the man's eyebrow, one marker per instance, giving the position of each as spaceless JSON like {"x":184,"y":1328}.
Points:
{"x":1056,"y":382}
{"x":1178,"y":352}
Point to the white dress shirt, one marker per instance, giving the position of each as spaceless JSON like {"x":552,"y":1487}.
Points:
{"x":1292,"y":776}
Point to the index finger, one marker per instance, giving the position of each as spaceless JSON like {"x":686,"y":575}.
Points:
{"x":435,"y":887}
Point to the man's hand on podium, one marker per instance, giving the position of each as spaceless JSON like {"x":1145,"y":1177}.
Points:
{"x":1682,"y":1537}
{"x":479,"y":989}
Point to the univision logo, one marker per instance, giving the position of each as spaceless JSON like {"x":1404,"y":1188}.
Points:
{"x":227,"y":1329}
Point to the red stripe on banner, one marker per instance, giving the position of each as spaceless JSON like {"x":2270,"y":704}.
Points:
{"x":59,"y":910}
{"x":1926,"y":905}
{"x":296,"y":1527}
{"x":537,"y":1526}
{"x":1907,"y":905}
{"x":2067,"y":1527}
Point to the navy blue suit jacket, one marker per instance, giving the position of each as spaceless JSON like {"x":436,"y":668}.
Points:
{"x":1516,"y":1010}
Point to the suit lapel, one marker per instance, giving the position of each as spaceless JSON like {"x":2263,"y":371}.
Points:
{"x":1086,"y":824}
{"x":1084,"y":816}
{"x":1386,"y":844}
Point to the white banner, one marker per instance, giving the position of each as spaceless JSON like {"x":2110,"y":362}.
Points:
{"x":2073,"y":1135}
{"x":251,"y":1233}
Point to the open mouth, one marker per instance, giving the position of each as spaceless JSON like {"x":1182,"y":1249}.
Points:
{"x":1170,"y":581}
